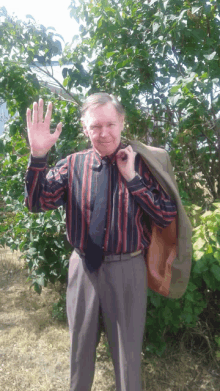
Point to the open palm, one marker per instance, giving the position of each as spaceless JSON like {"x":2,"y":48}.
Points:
{"x":40,"y":138}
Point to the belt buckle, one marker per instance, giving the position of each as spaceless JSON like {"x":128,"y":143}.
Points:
{"x":136,"y":253}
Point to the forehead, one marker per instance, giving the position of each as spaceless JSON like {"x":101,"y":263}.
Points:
{"x":104,"y":113}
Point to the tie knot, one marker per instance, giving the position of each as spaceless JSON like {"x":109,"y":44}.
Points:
{"x":105,"y":160}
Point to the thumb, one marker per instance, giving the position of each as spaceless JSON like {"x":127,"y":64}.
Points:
{"x":58,"y":131}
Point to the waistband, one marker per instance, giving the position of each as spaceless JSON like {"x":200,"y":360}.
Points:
{"x":114,"y":257}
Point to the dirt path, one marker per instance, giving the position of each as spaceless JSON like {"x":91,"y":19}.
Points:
{"x":34,"y":348}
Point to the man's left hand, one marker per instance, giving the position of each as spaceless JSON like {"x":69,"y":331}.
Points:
{"x":125,"y":159}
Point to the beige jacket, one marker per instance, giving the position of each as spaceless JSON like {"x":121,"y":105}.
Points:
{"x":169,"y":256}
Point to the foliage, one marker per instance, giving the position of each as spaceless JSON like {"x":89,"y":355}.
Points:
{"x":59,"y":309}
{"x":40,"y":237}
{"x":162,"y":58}
{"x":201,"y":301}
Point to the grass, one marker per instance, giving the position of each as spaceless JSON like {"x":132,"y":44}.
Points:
{"x":34,"y":347}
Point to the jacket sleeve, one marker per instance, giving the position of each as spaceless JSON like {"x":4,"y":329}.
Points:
{"x":45,"y":191}
{"x":152,"y":198}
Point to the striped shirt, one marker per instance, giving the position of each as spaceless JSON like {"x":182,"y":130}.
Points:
{"x":73,"y":182}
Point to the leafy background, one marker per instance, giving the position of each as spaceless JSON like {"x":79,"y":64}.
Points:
{"x":162,"y":59}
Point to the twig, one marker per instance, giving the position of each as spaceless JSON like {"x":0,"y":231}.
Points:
{"x":57,"y":81}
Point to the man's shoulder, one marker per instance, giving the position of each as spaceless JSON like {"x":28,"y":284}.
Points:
{"x":151,"y":155}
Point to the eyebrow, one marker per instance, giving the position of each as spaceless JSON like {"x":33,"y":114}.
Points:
{"x":98,"y":124}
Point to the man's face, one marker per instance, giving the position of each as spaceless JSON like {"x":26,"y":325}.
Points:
{"x":103,"y":125}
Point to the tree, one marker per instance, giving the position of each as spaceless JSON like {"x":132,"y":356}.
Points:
{"x":25,"y":48}
{"x":162,"y":58}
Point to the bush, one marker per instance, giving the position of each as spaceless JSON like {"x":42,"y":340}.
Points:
{"x":200,"y":303}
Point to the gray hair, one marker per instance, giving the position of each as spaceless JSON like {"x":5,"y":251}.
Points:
{"x":100,"y":99}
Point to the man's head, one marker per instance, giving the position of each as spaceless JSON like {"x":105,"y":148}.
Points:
{"x":102,"y":117}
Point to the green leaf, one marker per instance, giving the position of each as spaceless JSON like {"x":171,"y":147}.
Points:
{"x":217,"y":255}
{"x":198,"y":255}
{"x":215,"y":269}
{"x":195,"y":9}
{"x":110,"y":54}
{"x":209,"y":280}
{"x":155,"y":300}
{"x":155,"y":27}
{"x":37,"y":288}
{"x":207,"y":214}
{"x":100,"y":22}
{"x":174,"y":89}
{"x":65,"y":82}
{"x":209,"y":249}
{"x":32,"y":250}
{"x":209,"y":57}
{"x":174,"y":99}
{"x":199,"y":244}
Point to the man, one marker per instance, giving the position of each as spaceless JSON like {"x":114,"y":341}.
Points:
{"x":112,"y":202}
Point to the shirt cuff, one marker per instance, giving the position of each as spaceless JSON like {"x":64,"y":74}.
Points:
{"x":37,"y":162}
{"x":136,"y":183}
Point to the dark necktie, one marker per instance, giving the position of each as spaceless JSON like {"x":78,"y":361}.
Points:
{"x":94,"y":250}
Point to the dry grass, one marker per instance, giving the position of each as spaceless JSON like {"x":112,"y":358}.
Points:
{"x":34,"y":348}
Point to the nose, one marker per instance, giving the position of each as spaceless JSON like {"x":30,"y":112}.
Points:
{"x":104,"y":132}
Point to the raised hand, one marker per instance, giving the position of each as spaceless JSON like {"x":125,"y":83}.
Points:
{"x":40,"y":138}
{"x":125,"y":159}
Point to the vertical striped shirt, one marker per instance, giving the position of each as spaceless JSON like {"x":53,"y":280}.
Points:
{"x":73,"y":182}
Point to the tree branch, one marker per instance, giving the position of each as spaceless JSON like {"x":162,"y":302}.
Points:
{"x":60,"y":85}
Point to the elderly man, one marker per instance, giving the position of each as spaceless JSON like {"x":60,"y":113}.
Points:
{"x":108,"y":191}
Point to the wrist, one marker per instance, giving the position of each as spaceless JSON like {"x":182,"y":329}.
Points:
{"x":130,"y":177}
{"x":136,"y":182}
{"x":38,"y":155}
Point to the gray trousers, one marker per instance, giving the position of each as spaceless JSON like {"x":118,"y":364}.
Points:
{"x":119,"y":288}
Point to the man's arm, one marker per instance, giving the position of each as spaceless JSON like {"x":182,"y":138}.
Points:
{"x":146,"y":190}
{"x":152,"y":198}
{"x":45,"y":192}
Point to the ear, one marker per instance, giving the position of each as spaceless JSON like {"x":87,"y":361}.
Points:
{"x":122,"y":119}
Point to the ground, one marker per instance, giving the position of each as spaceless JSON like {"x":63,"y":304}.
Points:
{"x":34,"y":347}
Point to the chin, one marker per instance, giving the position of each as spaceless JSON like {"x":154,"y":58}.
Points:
{"x":108,"y":149}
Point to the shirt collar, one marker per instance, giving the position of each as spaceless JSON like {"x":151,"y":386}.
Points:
{"x":98,"y":159}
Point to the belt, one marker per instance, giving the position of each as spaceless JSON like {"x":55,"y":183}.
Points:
{"x":107,"y":257}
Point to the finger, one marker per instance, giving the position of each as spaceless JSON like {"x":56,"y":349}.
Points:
{"x":58,"y":131}
{"x":28,"y":118}
{"x":124,"y":157}
{"x":48,"y":113}
{"x":122,"y":154}
{"x":40,"y":110}
{"x":35,"y":113}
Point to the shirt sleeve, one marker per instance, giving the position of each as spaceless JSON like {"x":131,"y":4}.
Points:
{"x":45,"y":191}
{"x":152,"y":198}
